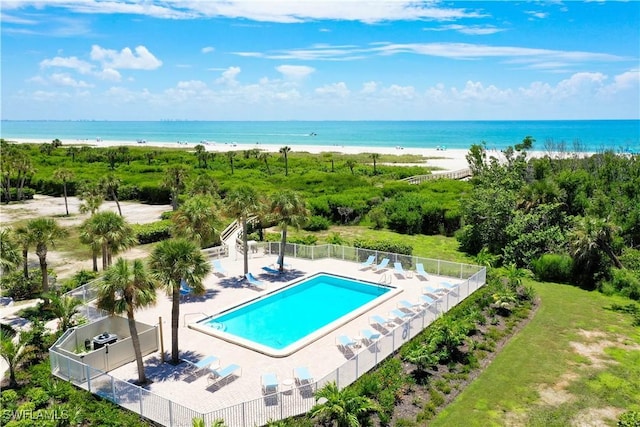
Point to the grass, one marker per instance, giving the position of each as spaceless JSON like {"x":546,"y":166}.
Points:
{"x":436,"y":247}
{"x":541,"y":356}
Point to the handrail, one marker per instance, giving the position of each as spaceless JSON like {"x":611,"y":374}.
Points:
{"x":458,"y":174}
{"x":184,"y":318}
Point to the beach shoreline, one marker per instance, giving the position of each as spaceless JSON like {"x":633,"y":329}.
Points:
{"x":439,"y":158}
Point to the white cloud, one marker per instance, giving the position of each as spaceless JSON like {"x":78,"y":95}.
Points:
{"x":295,"y":72}
{"x":535,"y":14}
{"x":109,"y":74}
{"x":369,"y":87}
{"x":64,"y":79}
{"x":208,"y":49}
{"x":142,"y":59}
{"x":339,"y":90}
{"x":73,"y":62}
{"x":398,"y":91}
{"x":229,"y":76}
{"x":473,"y":30}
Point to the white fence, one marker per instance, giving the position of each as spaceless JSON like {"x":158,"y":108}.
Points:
{"x":300,"y":398}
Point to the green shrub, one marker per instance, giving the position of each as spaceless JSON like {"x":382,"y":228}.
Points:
{"x":335,"y":239}
{"x":629,"y":419}
{"x":166,"y":215}
{"x":625,"y":282}
{"x":38,"y":396}
{"x":27,"y":194}
{"x":317,"y":223}
{"x":19,"y":288}
{"x":152,"y":232}
{"x":553,"y":268}
{"x":308,"y":240}
{"x":384,"y":246}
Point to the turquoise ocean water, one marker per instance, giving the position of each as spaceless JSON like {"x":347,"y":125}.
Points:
{"x":574,"y":135}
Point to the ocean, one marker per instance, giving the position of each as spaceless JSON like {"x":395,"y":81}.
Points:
{"x":567,"y":135}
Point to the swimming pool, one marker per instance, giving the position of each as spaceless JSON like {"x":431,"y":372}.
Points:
{"x":286,"y":320}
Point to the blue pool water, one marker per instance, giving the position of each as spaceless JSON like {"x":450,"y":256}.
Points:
{"x":282,"y":318}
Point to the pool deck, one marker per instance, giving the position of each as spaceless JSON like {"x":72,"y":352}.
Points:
{"x":222,"y":292}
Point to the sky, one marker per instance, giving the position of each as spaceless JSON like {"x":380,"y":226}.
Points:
{"x":319,"y":60}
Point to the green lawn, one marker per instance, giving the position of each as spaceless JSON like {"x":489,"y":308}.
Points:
{"x":541,"y":358}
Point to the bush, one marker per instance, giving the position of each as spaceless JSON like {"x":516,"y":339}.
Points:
{"x":152,"y":232}
{"x":625,"y":282}
{"x":19,"y":288}
{"x":384,"y":246}
{"x":553,"y":268}
{"x":26,"y":192}
{"x":335,"y":239}
{"x":304,"y":240}
{"x":629,"y":419}
{"x":317,"y":223}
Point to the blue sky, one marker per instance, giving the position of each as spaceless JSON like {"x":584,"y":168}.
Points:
{"x":319,"y":60}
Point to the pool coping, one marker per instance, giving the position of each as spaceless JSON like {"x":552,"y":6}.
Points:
{"x":306,"y":340}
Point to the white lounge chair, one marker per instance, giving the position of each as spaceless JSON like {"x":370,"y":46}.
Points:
{"x":270,"y":270}
{"x":346,"y":343}
{"x":406,"y":305}
{"x":269,"y":383}
{"x":427,"y":300}
{"x":302,"y":376}
{"x":369,"y":262}
{"x":218,"y":375}
{"x":255,"y":282}
{"x":420,"y":271}
{"x":380,"y":321}
{"x":279,"y":261}
{"x":218,"y":268}
{"x":397,"y":267}
{"x":383,"y":264}
{"x":370,"y":336}
{"x":434,"y":292}
{"x":402,"y":315}
{"x":203,"y":365}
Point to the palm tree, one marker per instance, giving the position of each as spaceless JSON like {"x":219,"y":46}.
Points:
{"x":64,"y":175}
{"x":204,"y":184}
{"x":196,"y":219}
{"x":110,"y":184}
{"x":174,"y":181}
{"x":24,"y":239}
{"x":10,"y":256}
{"x":171,"y":262}
{"x":285,"y":151}
{"x":73,"y":152}
{"x":375,"y":157}
{"x":346,"y":407}
{"x":88,"y":237}
{"x":149,"y":155}
{"x":14,"y":353}
{"x":92,"y":196}
{"x":287,"y":209}
{"x":264,"y":156}
{"x":329,"y":156}
{"x":201,"y":155}
{"x":127,"y":287}
{"x":64,"y":307}
{"x":590,"y":235}
{"x":241,"y":203}
{"x":111,"y":232}
{"x":45,"y":232}
{"x":230,"y":156}
{"x":350,"y":163}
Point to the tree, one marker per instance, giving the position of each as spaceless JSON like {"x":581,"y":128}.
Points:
{"x":241,"y":203}
{"x":92,"y":197}
{"x":350,"y":163}
{"x":196,"y":219}
{"x":204,"y":185}
{"x":64,"y":175}
{"x":175,"y":181}
{"x":287,"y":209}
{"x":590,"y":235}
{"x":127,"y":287}
{"x":14,"y":353}
{"x":171,"y":262}
{"x":329,"y":156}
{"x":110,"y":185}
{"x":375,"y":157}
{"x":201,"y":155}
{"x":285,"y":153}
{"x":112,"y":157}
{"x":44,"y":232}
{"x":264,"y":156}
{"x":24,"y":239}
{"x":111,"y":232}
{"x":73,"y":152}
{"x":149,"y":155}
{"x":344,"y":407}
{"x":64,"y":307}
{"x":231,"y":155}
{"x":10,"y":257}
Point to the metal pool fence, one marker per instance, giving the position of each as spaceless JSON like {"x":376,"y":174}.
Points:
{"x":297,"y":398}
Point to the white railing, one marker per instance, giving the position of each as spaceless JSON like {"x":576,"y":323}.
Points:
{"x":298,"y":399}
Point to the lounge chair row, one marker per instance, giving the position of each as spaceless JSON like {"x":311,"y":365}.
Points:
{"x":397,"y":266}
{"x":210,"y":366}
